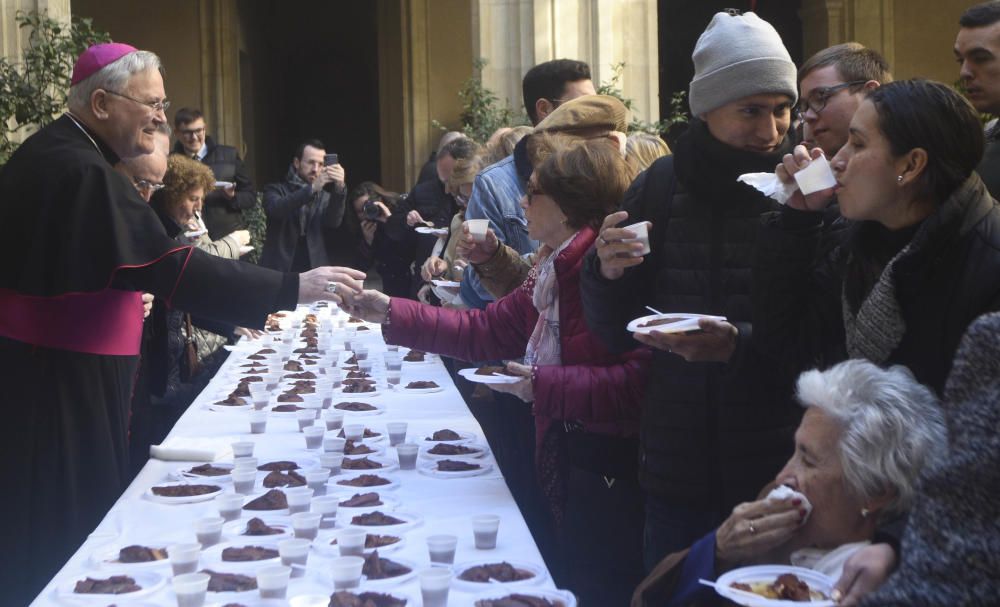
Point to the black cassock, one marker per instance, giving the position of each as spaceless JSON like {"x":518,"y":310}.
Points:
{"x":78,"y":248}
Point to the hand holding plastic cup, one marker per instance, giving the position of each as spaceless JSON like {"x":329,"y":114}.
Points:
{"x":477,"y":228}
{"x":641,"y":231}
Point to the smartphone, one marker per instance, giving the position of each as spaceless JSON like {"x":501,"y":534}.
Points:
{"x":330,"y":159}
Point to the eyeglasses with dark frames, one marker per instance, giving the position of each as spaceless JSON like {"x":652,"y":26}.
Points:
{"x":821,"y":96}
{"x":146,"y":185}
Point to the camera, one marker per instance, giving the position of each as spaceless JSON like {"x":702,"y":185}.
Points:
{"x":371,"y":210}
{"x":330,"y":159}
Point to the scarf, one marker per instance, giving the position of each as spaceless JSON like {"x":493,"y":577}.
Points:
{"x":543,"y":346}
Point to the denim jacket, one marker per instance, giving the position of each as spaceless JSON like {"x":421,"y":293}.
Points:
{"x":496,"y":195}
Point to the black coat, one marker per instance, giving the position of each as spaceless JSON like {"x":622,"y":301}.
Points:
{"x":223,"y":215}
{"x":287,"y":205}
{"x":711,"y":434}
{"x":941,"y":288}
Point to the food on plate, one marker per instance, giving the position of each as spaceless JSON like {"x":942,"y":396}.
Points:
{"x":494,"y":370}
{"x":208,"y":470}
{"x":306,"y":350}
{"x":272,"y":500}
{"x":365,"y":480}
{"x":141,"y":554}
{"x":357,"y":374}
{"x":376,"y":518}
{"x":501,"y":572}
{"x":451,"y":465}
{"x":362,"y":463}
{"x":421,"y":385}
{"x":231,"y":401}
{"x":279,"y":478}
{"x":661,"y":321}
{"x":344,"y":598}
{"x":357,"y":388}
{"x":293,"y":365}
{"x":281,"y":464}
{"x":377,"y":568}
{"x":245,"y":554}
{"x":363,"y":328}
{"x":256,"y":526}
{"x":267,"y":351}
{"x":256,"y":357}
{"x":787,"y":587}
{"x":354,"y":406}
{"x":366,"y":434}
{"x":303,"y":375}
{"x":290,"y":397}
{"x":360,"y":449}
{"x":252,"y":379}
{"x":229,"y":582}
{"x":354,"y":320}
{"x":519,"y":600}
{"x":444,"y":435}
{"x":353,"y":360}
{"x":286,"y":408}
{"x":373,"y":540}
{"x":414,"y":356}
{"x":185,"y":490}
{"x":116,"y":584}
{"x":446,"y":449}
{"x":301,"y":388}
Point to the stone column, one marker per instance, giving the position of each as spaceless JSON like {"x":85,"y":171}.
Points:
{"x":220,"y":71}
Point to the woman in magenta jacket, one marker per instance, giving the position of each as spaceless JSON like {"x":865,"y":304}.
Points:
{"x":586,"y":400}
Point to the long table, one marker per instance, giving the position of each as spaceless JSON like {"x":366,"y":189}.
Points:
{"x":445,"y":505}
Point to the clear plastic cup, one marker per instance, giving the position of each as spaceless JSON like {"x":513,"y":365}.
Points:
{"x":641,"y":231}
{"x":272,"y":581}
{"x":261,"y":399}
{"x":306,"y":524}
{"x":316,"y":480}
{"x":209,"y":530}
{"x":354,"y":432}
{"x":326,"y":506}
{"x":333,"y":444}
{"x":305,"y":417}
{"x":294,"y":554}
{"x":334,"y":419}
{"x":352,"y":541}
{"x":484,"y":528}
{"x":477,"y":228}
{"x":245,"y":463}
{"x":393,"y":363}
{"x":314,"y":436}
{"x":434,"y":585}
{"x":258,"y":421}
{"x":397,"y":433}
{"x":230,"y":506}
{"x":184,"y":558}
{"x":332,"y":462}
{"x":393,"y":378}
{"x":392,"y":348}
{"x":298,"y":499}
{"x":442,"y":548}
{"x":244,"y":480}
{"x":191,"y":589}
{"x":361,"y":353}
{"x":407,"y":453}
{"x":346,"y":572}
{"x":366,"y":366}
{"x":243,"y":448}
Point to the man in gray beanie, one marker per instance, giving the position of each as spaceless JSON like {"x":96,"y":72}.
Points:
{"x":718,"y":419}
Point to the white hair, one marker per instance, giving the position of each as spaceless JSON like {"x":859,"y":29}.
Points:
{"x":112,"y":77}
{"x":892,"y":426}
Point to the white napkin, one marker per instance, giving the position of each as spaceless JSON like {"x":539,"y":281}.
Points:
{"x":783,"y":492}
{"x":184,"y":449}
{"x":815,"y":177}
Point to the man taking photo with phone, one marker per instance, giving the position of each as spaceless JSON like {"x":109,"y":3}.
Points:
{"x":309,"y":201}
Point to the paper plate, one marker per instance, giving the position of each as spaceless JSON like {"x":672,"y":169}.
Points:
{"x":234,"y":531}
{"x":334,"y":482}
{"x":768,"y":573}
{"x":388,"y":465}
{"x":539,"y":576}
{"x":378,"y":410}
{"x":339,"y":393}
{"x":451,"y":284}
{"x":211,"y":558}
{"x":322,"y":544}
{"x":434,"y":231}
{"x":346,"y":512}
{"x":470,"y":374}
{"x":185,"y":474}
{"x":410,"y":520}
{"x":149,"y":581}
{"x":429,"y":468}
{"x":182,"y":500}
{"x":376,"y":585}
{"x":463,"y":437}
{"x":481,"y":450}
{"x":560,"y":598}
{"x":684,"y":323}
{"x":404,"y":390}
{"x":107,"y":557}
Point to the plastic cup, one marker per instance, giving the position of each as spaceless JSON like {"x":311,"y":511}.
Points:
{"x":191,"y":589}
{"x":305,"y":417}
{"x":397,"y":433}
{"x":442,"y":548}
{"x":184,"y":558}
{"x":393,"y":378}
{"x":334,"y":419}
{"x":244,"y":480}
{"x":326,"y":506}
{"x":298,"y":499}
{"x":258,"y":421}
{"x":332,"y":462}
{"x":434,"y":585}
{"x":407,"y":453}
{"x":245,"y":463}
{"x":314,"y":436}
{"x":333,"y":444}
{"x":261,"y":399}
{"x":484,"y":528}
{"x":354,"y":432}
{"x":641,"y":231}
{"x":352,"y":541}
{"x":243,"y":448}
{"x":393,"y":361}
{"x":346,"y":572}
{"x":392,"y":347}
{"x":272,"y":581}
{"x":477,"y":228}
{"x":366,"y":366}
{"x":306,"y":524}
{"x":294,"y":554}
{"x":361,"y":353}
{"x":209,"y":530}
{"x":230,"y":506}
{"x":316,"y":480}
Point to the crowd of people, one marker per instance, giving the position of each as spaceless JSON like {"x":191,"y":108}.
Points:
{"x":846,"y":351}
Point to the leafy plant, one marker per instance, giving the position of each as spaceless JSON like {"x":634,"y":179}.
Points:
{"x":678,"y":113}
{"x":482,"y":112}
{"x":33,"y":92}
{"x":256,"y":222}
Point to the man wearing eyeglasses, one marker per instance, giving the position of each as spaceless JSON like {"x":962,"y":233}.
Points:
{"x":235,"y":192}
{"x":832,"y":84}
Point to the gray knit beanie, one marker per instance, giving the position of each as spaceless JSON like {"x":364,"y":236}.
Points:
{"x":738,"y":56}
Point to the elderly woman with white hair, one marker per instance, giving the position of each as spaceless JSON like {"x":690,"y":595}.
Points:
{"x":865,"y":436}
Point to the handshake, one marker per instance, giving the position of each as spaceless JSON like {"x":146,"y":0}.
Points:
{"x":345,"y":286}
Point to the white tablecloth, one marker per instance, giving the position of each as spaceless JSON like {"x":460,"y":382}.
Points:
{"x":446,"y":505}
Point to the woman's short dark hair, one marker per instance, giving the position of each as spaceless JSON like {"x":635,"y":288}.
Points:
{"x":936,"y":118}
{"x":585,"y":177}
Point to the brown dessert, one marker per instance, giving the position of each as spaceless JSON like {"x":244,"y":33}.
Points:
{"x":277,"y":478}
{"x":278,"y":465}
{"x":351,"y":449}
{"x":362,"y":463}
{"x":451,"y":465}
{"x":445,"y":435}
{"x":357,"y":388}
{"x":185,"y":490}
{"x":232,"y":401}
{"x":344,"y":598}
{"x":376,"y":519}
{"x":229,"y":582}
{"x":272,"y":500}
{"x":421,"y":385}
{"x":373,"y":540}
{"x":116,"y":584}
{"x":446,"y":449}
{"x":501,"y":572}
{"x":286,"y":408}
{"x":493,"y":370}
{"x":267,"y":351}
{"x":376,"y":568}
{"x":787,"y":587}
{"x":256,"y":526}
{"x":354,"y":320}
{"x":357,"y":375}
{"x":252,"y":379}
{"x":661,"y":321}
{"x":248,"y":553}
{"x":414,"y":356}
{"x":289,"y":397}
{"x":362,"y":500}
{"x":519,"y":600}
{"x":306,"y":350}
{"x":141,"y":554}
{"x":303,"y":375}
{"x":364,"y":328}
{"x":354,"y":406}
{"x":256,"y":357}
{"x":353,"y":360}
{"x":309,"y":357}
{"x":297,"y":389}
{"x":208,"y":470}
{"x":366,"y":434}
{"x":292,"y":365}
{"x":365,"y":480}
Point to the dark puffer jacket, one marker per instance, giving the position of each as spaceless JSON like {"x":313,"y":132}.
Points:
{"x":223,"y":215}
{"x":711,"y":434}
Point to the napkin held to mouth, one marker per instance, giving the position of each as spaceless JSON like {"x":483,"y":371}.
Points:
{"x":815,"y":177}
